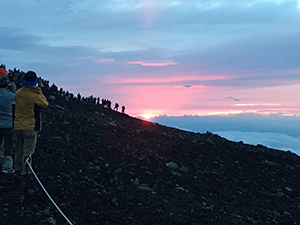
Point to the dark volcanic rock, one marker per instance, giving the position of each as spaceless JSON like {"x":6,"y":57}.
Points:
{"x":104,"y":167}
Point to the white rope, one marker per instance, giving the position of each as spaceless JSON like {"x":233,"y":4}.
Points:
{"x":28,"y":163}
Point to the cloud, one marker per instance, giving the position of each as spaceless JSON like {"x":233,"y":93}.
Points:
{"x":101,"y":60}
{"x":258,"y":104}
{"x":232,"y":99}
{"x":171,"y":81}
{"x":244,"y":122}
{"x":183,"y":86}
{"x":274,"y":130}
{"x":155,"y":63}
{"x":15,"y":40}
{"x":193,"y":87}
{"x":268,"y":139}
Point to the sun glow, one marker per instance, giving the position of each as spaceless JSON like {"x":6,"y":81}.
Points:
{"x":148,"y":116}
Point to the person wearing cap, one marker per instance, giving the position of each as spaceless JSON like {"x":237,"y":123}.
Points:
{"x":11,"y":87}
{"x":7,"y":103}
{"x":3,"y":71}
{"x":29,"y":100}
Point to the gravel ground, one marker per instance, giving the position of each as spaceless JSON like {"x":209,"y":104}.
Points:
{"x":104,"y":167}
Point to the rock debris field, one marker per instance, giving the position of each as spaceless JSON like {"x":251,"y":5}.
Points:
{"x":104,"y":167}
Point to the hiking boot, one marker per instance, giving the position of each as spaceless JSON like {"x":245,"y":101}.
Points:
{"x":10,"y":171}
{"x":7,"y":166}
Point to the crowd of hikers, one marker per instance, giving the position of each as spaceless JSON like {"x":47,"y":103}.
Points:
{"x":54,"y":92}
{"x":22,"y":96}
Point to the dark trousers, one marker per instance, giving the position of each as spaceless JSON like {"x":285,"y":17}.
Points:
{"x":7,"y":136}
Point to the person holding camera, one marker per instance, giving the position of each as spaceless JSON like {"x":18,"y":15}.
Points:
{"x":29,"y":101}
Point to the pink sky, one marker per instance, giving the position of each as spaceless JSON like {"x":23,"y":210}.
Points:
{"x":176,"y":96}
{"x":166,"y":87}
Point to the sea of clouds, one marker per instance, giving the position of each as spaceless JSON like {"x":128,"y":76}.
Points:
{"x":271,"y":140}
{"x":274,"y":131}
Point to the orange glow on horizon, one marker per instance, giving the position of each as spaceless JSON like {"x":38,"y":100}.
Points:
{"x":148,"y":116}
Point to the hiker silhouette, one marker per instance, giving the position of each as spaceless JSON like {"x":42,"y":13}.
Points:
{"x":116,"y":107}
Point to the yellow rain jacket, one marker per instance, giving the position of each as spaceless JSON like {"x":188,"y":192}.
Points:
{"x":29,"y":100}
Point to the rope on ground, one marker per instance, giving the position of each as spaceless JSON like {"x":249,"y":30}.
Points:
{"x":61,"y":212}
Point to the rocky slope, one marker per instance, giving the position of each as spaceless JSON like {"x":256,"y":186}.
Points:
{"x":104,"y":167}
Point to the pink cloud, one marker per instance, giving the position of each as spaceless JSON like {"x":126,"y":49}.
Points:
{"x":189,"y":87}
{"x":183,"y":79}
{"x":258,"y":104}
{"x":155,"y":63}
{"x":105,"y":60}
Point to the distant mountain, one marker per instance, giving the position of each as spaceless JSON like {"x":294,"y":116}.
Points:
{"x":104,"y":167}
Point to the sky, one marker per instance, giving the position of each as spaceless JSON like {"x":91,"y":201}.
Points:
{"x":171,"y":58}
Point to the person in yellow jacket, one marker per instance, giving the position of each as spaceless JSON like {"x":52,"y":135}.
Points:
{"x":29,"y":99}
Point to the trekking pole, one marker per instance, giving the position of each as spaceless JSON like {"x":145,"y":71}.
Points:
{"x":26,"y":159}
